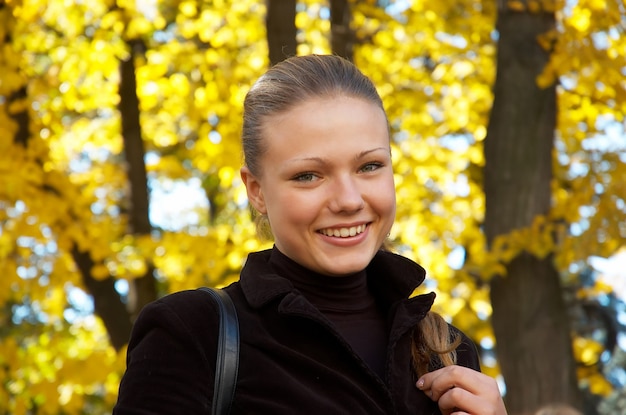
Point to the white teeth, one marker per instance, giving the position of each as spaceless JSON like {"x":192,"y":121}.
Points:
{"x":343,"y":232}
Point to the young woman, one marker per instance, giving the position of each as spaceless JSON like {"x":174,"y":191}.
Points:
{"x":326,"y":322}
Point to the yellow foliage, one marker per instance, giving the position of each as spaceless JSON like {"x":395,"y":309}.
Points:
{"x":100,"y":272}
{"x":481,"y":306}
{"x":547,"y":77}
{"x":598,"y":385}
{"x":587,"y":351}
{"x":581,"y":19}
{"x":58,"y":371}
{"x":188,"y":8}
{"x":516,"y":5}
{"x":594,"y":380}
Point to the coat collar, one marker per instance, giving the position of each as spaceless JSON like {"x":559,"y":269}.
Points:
{"x":391,"y":277}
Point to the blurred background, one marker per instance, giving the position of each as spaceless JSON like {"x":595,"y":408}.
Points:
{"x":120,"y":157}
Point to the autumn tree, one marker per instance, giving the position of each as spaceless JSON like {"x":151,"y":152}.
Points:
{"x":525,"y":215}
{"x":530,"y":318}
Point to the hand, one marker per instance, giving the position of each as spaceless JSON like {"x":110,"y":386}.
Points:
{"x":459,"y":390}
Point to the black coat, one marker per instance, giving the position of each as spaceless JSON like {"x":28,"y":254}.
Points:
{"x":292,"y":360}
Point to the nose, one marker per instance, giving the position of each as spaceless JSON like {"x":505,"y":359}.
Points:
{"x":346,"y":196}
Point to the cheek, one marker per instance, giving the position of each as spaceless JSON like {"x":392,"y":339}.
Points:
{"x":294,"y":208}
{"x":385,"y":197}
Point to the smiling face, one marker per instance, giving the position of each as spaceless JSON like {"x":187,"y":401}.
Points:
{"x":326,"y":183}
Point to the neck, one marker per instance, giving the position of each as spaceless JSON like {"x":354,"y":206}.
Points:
{"x":349,"y":292}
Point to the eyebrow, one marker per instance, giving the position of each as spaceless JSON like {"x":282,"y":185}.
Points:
{"x":357,"y":157}
{"x":366,"y":152}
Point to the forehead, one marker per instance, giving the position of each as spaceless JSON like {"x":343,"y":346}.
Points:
{"x":315,"y":112}
{"x":319,"y":126}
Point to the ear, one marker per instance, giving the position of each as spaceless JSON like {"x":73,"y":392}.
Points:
{"x":253,"y":188}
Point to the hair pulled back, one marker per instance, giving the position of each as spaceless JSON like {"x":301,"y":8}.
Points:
{"x":433,"y":345}
{"x":290,"y":83}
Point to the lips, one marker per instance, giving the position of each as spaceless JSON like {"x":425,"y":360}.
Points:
{"x":344,"y":232}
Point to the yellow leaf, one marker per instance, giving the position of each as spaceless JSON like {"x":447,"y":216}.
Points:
{"x":481,"y":307}
{"x":516,"y":5}
{"x":598,"y":385}
{"x":180,"y":84}
{"x":188,"y":8}
{"x":587,"y":351}
{"x":100,"y":272}
{"x":547,"y":77}
{"x":138,"y":26}
{"x":581,"y":19}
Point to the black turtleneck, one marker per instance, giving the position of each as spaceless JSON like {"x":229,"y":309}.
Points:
{"x":347,"y":302}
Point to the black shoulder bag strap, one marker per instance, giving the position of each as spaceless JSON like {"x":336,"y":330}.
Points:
{"x":227,"y":363}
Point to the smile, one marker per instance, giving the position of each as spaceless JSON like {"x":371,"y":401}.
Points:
{"x":343,"y":232}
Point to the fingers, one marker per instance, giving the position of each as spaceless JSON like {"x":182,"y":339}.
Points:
{"x":455,"y":401}
{"x":460,"y":390}
{"x":458,"y":400}
{"x":440,"y":381}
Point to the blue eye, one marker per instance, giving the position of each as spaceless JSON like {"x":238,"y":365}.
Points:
{"x":304,"y":177}
{"x":369,"y":167}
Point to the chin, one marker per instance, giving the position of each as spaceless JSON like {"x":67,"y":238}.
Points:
{"x":351,"y":261}
{"x":346,"y":269}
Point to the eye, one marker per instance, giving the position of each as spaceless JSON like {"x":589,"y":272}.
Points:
{"x":304,"y":177}
{"x":369,"y":167}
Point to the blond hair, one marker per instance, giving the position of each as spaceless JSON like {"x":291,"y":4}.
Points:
{"x":433,"y":345}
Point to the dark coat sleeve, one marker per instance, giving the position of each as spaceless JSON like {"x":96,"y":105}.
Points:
{"x":168,"y":368}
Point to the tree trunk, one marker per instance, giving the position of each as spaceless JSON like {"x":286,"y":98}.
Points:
{"x":21,"y":118}
{"x":116,"y":316}
{"x":529,"y":314}
{"x":342,"y":38}
{"x":107,"y":303}
{"x":281,"y":29}
{"x":142,"y":290}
